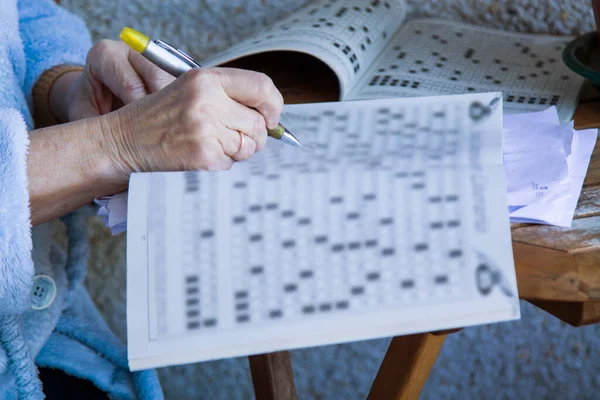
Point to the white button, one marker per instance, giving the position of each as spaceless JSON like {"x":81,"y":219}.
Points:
{"x":43,"y":292}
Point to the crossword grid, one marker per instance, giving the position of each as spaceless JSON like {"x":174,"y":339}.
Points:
{"x":321,"y":264}
{"x":372,"y":216}
{"x":431,"y":57}
{"x":322,"y":234}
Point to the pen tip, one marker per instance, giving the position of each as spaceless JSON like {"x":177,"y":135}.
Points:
{"x":290,"y":139}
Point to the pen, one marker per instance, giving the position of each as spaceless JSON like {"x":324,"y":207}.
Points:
{"x":176,"y":62}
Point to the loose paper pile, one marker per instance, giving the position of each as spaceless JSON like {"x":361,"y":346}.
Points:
{"x":545,"y":163}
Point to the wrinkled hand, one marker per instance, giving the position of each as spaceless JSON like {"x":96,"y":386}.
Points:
{"x":195,"y":122}
{"x":114,"y":75}
{"x":153,"y":122}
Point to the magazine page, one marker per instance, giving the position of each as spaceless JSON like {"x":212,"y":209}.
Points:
{"x":429,"y":57}
{"x":346,"y":35}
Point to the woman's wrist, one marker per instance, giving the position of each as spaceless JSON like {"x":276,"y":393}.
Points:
{"x":103,"y":137}
{"x":68,"y":166}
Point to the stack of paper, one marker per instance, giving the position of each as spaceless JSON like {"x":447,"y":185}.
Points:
{"x":545,"y":163}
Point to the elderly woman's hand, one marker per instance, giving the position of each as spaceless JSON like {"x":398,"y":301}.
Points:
{"x":206,"y":119}
{"x":194,"y":123}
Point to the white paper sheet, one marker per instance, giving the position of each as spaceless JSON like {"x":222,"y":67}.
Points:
{"x":535,"y":152}
{"x":539,"y":135}
{"x":392,"y":221}
{"x":113,"y":212}
{"x":561,"y":212}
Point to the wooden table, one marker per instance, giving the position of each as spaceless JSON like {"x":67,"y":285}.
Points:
{"x":558,"y":269}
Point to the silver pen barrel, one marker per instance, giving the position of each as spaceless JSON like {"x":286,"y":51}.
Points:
{"x":163,"y":58}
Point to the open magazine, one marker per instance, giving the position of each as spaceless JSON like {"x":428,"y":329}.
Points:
{"x":375,"y":53}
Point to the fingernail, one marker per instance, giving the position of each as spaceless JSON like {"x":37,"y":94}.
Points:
{"x":273,"y":122}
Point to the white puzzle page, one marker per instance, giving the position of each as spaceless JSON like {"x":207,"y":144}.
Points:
{"x":392,"y":220}
{"x":429,"y":57}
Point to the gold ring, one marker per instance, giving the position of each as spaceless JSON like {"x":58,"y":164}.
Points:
{"x":242,"y":142}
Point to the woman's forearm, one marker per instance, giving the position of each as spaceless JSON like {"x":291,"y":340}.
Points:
{"x":67,"y":167}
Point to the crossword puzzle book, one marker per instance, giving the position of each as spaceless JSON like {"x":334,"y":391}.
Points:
{"x":391,"y":220}
{"x":375,"y":53}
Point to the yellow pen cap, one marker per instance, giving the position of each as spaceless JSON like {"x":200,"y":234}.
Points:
{"x":134,"y":39}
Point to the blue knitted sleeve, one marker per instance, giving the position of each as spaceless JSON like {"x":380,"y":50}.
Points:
{"x":51,"y":36}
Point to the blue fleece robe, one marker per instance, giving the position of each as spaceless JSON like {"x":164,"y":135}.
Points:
{"x":70,"y":335}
